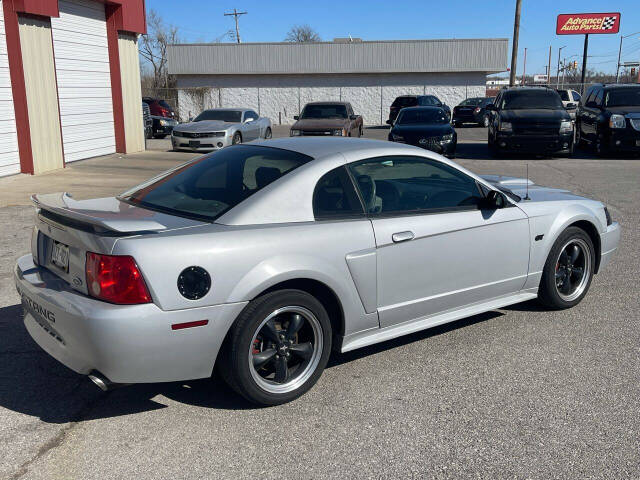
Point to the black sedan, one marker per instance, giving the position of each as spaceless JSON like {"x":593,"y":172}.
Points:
{"x":426,"y":127}
{"x":472,"y":110}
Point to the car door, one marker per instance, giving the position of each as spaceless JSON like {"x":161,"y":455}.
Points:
{"x":437,"y":250}
{"x":251,"y":126}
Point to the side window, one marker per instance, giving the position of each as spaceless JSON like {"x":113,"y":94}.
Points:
{"x":598,"y":96}
{"x":335,"y":196}
{"x":591,"y":95}
{"x":410,"y":184}
{"x":250,"y":115}
{"x":576,"y":97}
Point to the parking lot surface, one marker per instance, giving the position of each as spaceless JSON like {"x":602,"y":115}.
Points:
{"x":519,"y":392}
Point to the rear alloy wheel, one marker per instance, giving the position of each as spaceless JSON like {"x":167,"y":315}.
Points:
{"x":267,"y":133}
{"x":568,"y":271}
{"x":237,"y":138}
{"x":277,"y":348}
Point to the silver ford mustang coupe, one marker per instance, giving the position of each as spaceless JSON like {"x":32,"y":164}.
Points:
{"x":220,"y":127}
{"x":257,"y":260}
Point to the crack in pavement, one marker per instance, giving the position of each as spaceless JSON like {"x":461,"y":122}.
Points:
{"x":58,"y":439}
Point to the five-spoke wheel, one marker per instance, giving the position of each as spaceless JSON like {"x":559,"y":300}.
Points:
{"x":568,"y":270}
{"x":277,"y":348}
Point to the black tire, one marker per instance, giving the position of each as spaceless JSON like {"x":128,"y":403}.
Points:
{"x":237,"y":138}
{"x":457,"y":124}
{"x":601,"y":149}
{"x":160,"y":136}
{"x":548,"y":293}
{"x":268,"y":133}
{"x":360,"y":131}
{"x":234,"y":365}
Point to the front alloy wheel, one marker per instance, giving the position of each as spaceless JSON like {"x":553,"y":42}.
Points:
{"x":277,"y":347}
{"x":568,"y":270}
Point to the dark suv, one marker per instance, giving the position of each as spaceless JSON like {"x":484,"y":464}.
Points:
{"x":608,"y":118}
{"x":162,"y":115}
{"x":529,"y":120}
{"x":415,"y":101}
{"x":472,"y":110}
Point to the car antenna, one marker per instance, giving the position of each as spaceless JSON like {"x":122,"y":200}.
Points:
{"x":527,"y":194}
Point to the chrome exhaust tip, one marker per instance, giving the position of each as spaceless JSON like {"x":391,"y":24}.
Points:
{"x":103,"y":382}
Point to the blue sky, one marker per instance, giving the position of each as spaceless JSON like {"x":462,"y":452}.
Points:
{"x":269,"y":20}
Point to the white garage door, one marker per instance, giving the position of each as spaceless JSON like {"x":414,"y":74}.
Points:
{"x":84,"y":83}
{"x":9,"y":158}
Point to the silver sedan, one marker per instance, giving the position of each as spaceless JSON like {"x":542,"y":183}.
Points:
{"x":256,"y":261}
{"x":220,"y":127}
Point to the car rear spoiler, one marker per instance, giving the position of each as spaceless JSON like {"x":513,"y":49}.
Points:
{"x":101,"y":215}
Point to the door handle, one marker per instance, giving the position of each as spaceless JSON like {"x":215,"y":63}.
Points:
{"x":402,"y":236}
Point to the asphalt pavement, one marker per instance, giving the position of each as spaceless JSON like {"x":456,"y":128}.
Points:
{"x":519,"y":392}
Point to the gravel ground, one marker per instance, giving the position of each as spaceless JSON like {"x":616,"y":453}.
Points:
{"x":514,"y":393}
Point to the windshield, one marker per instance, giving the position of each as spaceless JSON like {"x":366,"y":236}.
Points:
{"x":422,"y":115}
{"x":209,"y":186}
{"x":471,"y":102}
{"x":324,"y":111}
{"x":623,"y":97}
{"x":231,"y":116}
{"x":530,"y":99}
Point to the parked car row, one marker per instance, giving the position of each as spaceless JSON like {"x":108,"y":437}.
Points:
{"x":162,"y":117}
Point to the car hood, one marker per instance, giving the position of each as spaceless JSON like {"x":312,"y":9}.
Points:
{"x":204,"y":126}
{"x":624,"y":110}
{"x":110,"y":214}
{"x":319,"y":123}
{"x":534,"y":115}
{"x":431,"y":130}
{"x":524,"y":187}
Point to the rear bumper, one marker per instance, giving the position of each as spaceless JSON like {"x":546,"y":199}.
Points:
{"x":127,"y":343}
{"x":609,"y":244}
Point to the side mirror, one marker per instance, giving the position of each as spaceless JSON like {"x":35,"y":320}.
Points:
{"x":296,"y":117}
{"x":389,"y":122}
{"x":494,"y":200}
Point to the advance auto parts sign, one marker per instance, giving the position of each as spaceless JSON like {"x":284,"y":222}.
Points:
{"x":582,"y":23}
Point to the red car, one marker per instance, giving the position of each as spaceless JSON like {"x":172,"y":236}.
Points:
{"x":159,"y":108}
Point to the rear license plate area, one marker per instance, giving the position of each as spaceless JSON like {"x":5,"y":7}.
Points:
{"x":60,"y":255}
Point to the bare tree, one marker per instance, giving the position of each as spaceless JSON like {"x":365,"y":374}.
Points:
{"x":302,"y":34}
{"x":153,"y":47}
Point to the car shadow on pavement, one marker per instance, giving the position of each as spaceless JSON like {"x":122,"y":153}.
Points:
{"x":35,"y":384}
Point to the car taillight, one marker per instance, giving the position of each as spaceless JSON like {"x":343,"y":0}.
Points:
{"x":115,"y":279}
{"x":164,"y":112}
{"x":476,"y":110}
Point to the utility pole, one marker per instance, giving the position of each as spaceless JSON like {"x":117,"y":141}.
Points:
{"x":558,"y":71}
{"x":549,"y":68}
{"x":514,"y":47}
{"x":236,"y":14}
{"x":524,"y":67}
{"x":620,"y":54}
{"x":584,"y":62}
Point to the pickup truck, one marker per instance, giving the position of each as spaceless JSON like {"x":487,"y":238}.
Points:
{"x":327,"y":118}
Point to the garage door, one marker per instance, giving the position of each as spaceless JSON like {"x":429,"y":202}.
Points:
{"x":84,"y":83}
{"x":9,"y":158}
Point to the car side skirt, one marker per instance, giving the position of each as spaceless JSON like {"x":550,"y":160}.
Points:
{"x":372,"y":336}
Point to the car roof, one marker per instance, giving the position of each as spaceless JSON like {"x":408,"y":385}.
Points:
{"x":321,"y":147}
{"x":330,"y":102}
{"x":612,"y":86}
{"x":227,"y":109}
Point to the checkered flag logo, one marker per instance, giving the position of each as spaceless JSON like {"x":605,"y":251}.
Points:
{"x":608,"y":23}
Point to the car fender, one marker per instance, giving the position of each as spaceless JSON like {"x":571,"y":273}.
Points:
{"x":282,"y":268}
{"x":546,"y":227}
